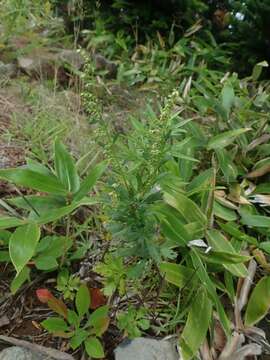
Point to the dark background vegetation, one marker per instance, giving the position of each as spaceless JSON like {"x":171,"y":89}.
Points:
{"x":242,"y":27}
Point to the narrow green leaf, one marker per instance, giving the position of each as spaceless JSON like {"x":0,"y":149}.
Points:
{"x":65,"y":168}
{"x":56,"y":214}
{"x":227,"y":97}
{"x":82,"y":300}
{"x":94,"y":348}
{"x":33,"y":180}
{"x":211,"y":289}
{"x":22,"y":245}
{"x":7,"y":222}
{"x":90,"y":181}
{"x":196,"y":327}
{"x":20,"y":278}
{"x":259,"y":302}
{"x":226,"y":138}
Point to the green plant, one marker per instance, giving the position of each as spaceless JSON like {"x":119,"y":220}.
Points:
{"x":114,"y":272}
{"x":133,"y":321}
{"x":65,"y":193}
{"x":79,"y":326}
{"x":67,"y":284}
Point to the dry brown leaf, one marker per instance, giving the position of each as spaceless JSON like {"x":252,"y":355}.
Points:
{"x":258,"y":172}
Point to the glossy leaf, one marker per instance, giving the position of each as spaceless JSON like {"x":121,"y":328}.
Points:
{"x":23,"y":244}
{"x":259,"y":302}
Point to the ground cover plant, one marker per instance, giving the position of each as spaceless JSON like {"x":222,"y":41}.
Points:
{"x":161,"y":227}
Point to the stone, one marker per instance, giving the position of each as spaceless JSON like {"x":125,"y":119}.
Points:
{"x":39,"y":63}
{"x":20,"y":353}
{"x":146,"y":349}
{"x":71,"y":58}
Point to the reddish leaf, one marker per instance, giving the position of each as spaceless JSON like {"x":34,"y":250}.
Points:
{"x":44,"y":295}
{"x":97,"y":298}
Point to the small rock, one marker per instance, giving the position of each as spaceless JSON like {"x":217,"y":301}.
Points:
{"x":102,"y":63}
{"x":146,"y":349}
{"x":72,"y":58}
{"x":20,"y":353}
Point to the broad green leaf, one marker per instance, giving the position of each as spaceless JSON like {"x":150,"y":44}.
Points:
{"x":37,"y":167}
{"x":227,"y":97}
{"x":45,"y":262}
{"x":94,"y":348}
{"x":54,"y":324}
{"x":196,"y":327}
{"x":176,"y":274}
{"x":7,"y":222}
{"x":19,"y":279}
{"x":265,"y":245}
{"x":40,"y":203}
{"x":259,"y":302}
{"x":54,"y":246}
{"x":99,"y":320}
{"x":90,"y":181}
{"x":78,"y":338}
{"x":186,"y":207}
{"x":255,"y":220}
{"x":65,"y":168}
{"x":33,"y":180}
{"x":82,"y":300}
{"x":226,"y":138}
{"x":22,"y":245}
{"x":224,"y":213}
{"x":221,"y":244}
